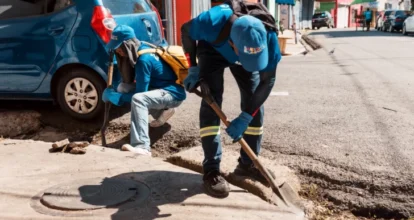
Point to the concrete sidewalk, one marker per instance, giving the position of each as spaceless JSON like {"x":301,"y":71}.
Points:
{"x":110,"y":184}
{"x":293,"y":49}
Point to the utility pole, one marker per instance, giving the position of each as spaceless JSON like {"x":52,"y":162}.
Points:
{"x":336,"y":14}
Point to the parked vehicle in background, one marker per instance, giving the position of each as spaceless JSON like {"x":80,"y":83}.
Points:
{"x":395,"y":21}
{"x":382,"y":18}
{"x":322,"y":19}
{"x":408,"y":25}
{"x":55,"y":49}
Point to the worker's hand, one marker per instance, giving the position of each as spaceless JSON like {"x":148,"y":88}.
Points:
{"x":193,"y":76}
{"x":239,"y":125}
{"x":110,"y":95}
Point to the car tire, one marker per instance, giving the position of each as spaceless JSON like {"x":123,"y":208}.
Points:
{"x":79,"y":94}
{"x":404,"y":30}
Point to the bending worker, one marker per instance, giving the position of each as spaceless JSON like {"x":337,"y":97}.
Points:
{"x":252,"y":54}
{"x":155,"y":91}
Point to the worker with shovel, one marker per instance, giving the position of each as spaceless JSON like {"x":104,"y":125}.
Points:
{"x":155,"y":91}
{"x":220,"y":39}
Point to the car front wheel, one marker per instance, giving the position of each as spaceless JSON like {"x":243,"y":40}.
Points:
{"x":79,"y":94}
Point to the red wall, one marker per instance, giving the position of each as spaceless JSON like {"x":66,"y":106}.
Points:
{"x":183,"y":14}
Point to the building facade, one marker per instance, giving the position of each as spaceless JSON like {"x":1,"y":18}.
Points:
{"x":174,"y":13}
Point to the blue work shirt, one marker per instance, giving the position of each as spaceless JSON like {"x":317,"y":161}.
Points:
{"x":368,"y":15}
{"x":208,"y":25}
{"x":151,"y":72}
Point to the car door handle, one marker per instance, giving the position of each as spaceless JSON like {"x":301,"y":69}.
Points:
{"x":56,"y":30}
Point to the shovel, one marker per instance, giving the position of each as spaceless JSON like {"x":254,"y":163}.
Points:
{"x":108,"y":104}
{"x":288,"y":198}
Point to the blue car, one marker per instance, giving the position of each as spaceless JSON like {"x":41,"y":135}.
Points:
{"x":55,"y":49}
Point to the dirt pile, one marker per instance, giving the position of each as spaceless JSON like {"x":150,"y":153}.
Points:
{"x":14,"y":123}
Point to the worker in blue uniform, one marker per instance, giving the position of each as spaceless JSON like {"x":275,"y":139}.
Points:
{"x":155,"y":91}
{"x":252,"y":53}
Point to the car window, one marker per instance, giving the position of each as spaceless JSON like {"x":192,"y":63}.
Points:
{"x":387,"y":13}
{"x":21,"y":8}
{"x":399,"y":13}
{"x":56,"y":5}
{"x":319,"y":15}
{"x":120,"y":7}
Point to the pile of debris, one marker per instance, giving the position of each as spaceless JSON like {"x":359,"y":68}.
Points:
{"x":66,"y":146}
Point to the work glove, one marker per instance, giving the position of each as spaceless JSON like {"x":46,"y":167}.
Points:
{"x":191,"y":80}
{"x":239,"y":125}
{"x":110,"y":95}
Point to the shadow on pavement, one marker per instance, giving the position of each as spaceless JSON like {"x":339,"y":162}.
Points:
{"x":154,"y":189}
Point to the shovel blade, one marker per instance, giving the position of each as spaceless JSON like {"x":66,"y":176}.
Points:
{"x":293,"y":201}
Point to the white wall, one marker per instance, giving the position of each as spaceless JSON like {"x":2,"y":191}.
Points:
{"x":343,"y":13}
{"x":198,"y":6}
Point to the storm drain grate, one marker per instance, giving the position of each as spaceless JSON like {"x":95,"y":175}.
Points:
{"x":92,"y":194}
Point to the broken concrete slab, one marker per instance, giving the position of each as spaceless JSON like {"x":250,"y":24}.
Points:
{"x":192,"y":159}
{"x":163,"y":190}
{"x":14,"y":123}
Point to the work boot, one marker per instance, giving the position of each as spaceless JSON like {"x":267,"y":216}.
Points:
{"x":215,"y":184}
{"x":165,"y":115}
{"x":251,"y":171}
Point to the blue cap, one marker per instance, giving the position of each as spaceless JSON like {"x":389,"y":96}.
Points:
{"x":120,"y":34}
{"x":249,"y":35}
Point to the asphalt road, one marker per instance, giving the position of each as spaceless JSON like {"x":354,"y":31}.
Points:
{"x":348,"y":121}
{"x":343,"y":120}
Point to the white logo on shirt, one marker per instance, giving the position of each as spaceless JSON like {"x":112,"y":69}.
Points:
{"x":224,"y":7}
{"x":238,"y":63}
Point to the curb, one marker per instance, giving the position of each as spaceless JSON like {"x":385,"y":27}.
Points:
{"x":290,"y":184}
{"x":305,"y":45}
{"x":312,"y":43}
{"x":304,"y":50}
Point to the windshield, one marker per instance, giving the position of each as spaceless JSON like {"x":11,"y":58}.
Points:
{"x":400,"y":13}
{"x":120,"y":7}
{"x":319,"y":15}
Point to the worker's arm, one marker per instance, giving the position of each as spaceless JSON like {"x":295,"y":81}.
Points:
{"x":142,"y":75}
{"x":189,"y":44}
{"x":263,"y":90}
{"x":142,"y":78}
{"x":192,"y":31}
{"x":267,"y":76}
